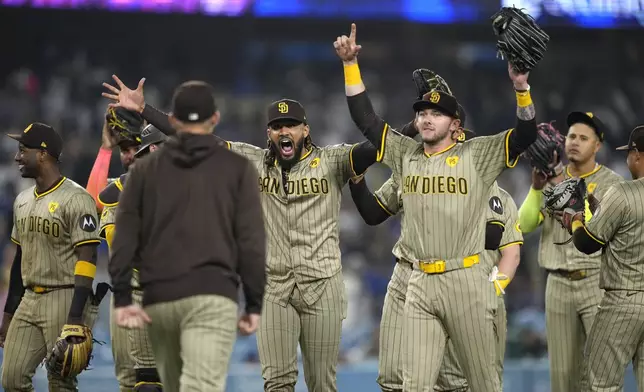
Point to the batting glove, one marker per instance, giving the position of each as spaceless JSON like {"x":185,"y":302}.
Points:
{"x":500,"y":280}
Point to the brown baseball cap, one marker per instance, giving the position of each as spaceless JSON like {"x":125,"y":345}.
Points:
{"x":440,"y":100}
{"x":286,"y":109}
{"x":635,"y":140}
{"x":41,"y":136}
{"x":589,"y":119}
{"x":194,"y":102}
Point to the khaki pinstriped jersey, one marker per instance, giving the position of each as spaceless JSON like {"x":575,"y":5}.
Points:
{"x":567,"y":257}
{"x":445,"y":194}
{"x":618,"y":224}
{"x":48,"y":227}
{"x":502,"y":210}
{"x":301,"y":212}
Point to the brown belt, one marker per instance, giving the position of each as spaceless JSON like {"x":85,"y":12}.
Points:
{"x":571,"y":275}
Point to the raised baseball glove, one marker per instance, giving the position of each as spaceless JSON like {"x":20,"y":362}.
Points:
{"x":72,"y":351}
{"x":565,"y":200}
{"x":427,"y":81}
{"x":541,"y":153}
{"x":520,"y":40}
{"x":125,"y":124}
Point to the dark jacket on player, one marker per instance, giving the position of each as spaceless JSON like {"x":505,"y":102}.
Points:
{"x":191,"y":217}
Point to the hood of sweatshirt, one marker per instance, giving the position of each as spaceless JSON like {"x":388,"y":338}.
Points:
{"x":188,"y":150}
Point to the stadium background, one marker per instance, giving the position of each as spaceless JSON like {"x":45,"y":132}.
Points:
{"x":56,"y":53}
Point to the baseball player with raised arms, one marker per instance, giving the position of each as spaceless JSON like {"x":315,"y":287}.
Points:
{"x":50,"y":289}
{"x":502,"y":243}
{"x":445,"y":190}
{"x":572,"y":288}
{"x":616,"y":231}
{"x":301,"y":188}
{"x":136,"y":343}
{"x":121,"y":129}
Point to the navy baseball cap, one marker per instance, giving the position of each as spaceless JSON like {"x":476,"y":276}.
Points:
{"x":194,"y":102}
{"x":440,"y":100}
{"x":589,"y":119}
{"x":41,"y":136}
{"x":286,"y":109}
{"x":149,"y":136}
{"x":635,"y":140}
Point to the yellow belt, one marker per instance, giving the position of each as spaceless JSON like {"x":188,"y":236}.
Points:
{"x":43,"y":289}
{"x":440,"y":266}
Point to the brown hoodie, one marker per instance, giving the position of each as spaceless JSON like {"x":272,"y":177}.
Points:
{"x":191,"y":218}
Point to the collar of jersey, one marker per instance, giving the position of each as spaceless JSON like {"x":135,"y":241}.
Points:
{"x":595,"y":170}
{"x":439,"y":152}
{"x":50,"y":190}
{"x":303,"y":157}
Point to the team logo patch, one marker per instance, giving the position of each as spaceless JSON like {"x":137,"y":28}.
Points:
{"x":434,"y":97}
{"x":496,"y":205}
{"x":451,"y":161}
{"x":28,"y":128}
{"x":461,"y":137}
{"x":591,"y":187}
{"x":53,"y":206}
{"x":315,"y":163}
{"x":282,"y":107}
{"x":87,"y":223}
{"x":590,"y":114}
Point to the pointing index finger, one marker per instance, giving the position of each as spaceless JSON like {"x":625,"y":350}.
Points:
{"x":352,"y":36}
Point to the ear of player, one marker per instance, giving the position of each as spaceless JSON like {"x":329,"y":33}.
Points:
{"x":520,"y":40}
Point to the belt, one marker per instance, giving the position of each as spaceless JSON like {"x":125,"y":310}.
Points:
{"x":571,"y":275}
{"x":47,"y":289}
{"x":440,"y":266}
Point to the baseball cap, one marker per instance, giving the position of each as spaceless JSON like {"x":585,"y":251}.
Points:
{"x":150,"y":135}
{"x":589,"y":119}
{"x":440,"y":100}
{"x":467,"y":133}
{"x":194,"y":102}
{"x":635,"y":140}
{"x":42,"y":136}
{"x":286,"y":109}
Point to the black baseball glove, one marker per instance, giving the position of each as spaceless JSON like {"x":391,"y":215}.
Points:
{"x":125,"y":124}
{"x":541,"y":153}
{"x":519,"y":39}
{"x":427,"y":81}
{"x":565,"y":200}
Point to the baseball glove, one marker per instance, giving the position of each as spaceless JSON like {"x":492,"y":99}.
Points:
{"x":519,"y":39}
{"x":541,"y":153}
{"x":565,"y":200}
{"x":125,"y":124}
{"x":72,"y":351}
{"x":427,"y":81}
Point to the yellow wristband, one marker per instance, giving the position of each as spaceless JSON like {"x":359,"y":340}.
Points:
{"x":352,"y":75}
{"x":85,"y":268}
{"x":523,"y":99}
{"x":576,"y":225}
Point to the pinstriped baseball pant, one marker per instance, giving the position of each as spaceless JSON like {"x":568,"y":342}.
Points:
{"x":31,"y":336}
{"x":123,"y":363}
{"x":192,"y":340}
{"x":616,"y":338}
{"x":316,"y":328}
{"x":390,"y":370}
{"x":458,"y":304}
{"x":571,"y":306}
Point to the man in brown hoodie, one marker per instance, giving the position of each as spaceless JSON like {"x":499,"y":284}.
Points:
{"x":191,"y":222}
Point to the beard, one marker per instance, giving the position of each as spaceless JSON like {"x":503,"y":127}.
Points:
{"x":287,"y":162}
{"x":436,"y":137}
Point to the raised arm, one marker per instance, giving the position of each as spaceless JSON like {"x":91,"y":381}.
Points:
{"x":98,"y":176}
{"x":525,"y":132}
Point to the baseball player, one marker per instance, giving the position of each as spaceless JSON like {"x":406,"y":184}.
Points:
{"x":572,"y":288}
{"x":502,"y":243}
{"x":115,"y":133}
{"x":301,"y":188}
{"x":445,"y":190}
{"x":56,"y":230}
{"x":616,"y":231}
{"x":133,"y":346}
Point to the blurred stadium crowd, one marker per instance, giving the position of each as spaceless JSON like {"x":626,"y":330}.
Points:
{"x":59,"y":83}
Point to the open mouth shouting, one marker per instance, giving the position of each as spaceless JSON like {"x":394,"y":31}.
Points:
{"x":286,"y":147}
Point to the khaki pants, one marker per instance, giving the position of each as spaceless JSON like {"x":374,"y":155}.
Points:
{"x":192,"y":340}
{"x":123,"y":363}
{"x":31,"y":336}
